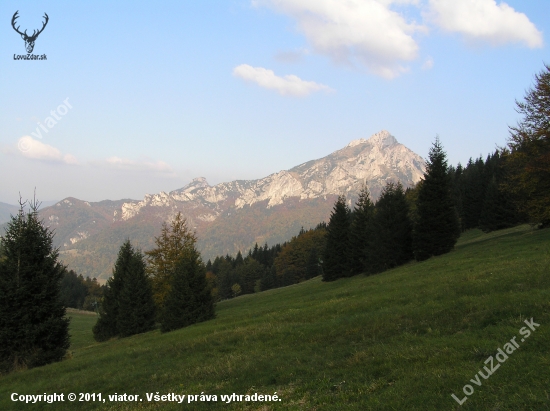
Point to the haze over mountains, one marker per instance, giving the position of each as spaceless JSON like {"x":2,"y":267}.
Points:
{"x":7,"y":210}
{"x":235,"y":215}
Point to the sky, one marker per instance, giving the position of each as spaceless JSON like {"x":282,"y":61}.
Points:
{"x":139,"y":97}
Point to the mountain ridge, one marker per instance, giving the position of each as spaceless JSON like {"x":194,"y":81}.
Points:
{"x":231,"y":216}
{"x":312,"y":179}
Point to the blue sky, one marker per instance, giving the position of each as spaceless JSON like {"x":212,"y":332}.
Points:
{"x":162,"y":92}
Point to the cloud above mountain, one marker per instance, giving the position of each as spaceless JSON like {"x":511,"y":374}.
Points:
{"x":381,"y":35}
{"x":36,"y":150}
{"x":289,"y":85}
{"x":348,"y":31}
{"x":485,"y":20}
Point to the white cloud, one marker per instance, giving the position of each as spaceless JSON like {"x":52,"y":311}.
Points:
{"x":288,"y":85}
{"x":142,"y":165}
{"x":428,"y":64}
{"x":367,"y":31}
{"x":485,"y":20}
{"x":36,"y":150}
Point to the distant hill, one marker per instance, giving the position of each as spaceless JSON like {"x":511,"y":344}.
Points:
{"x":235,"y":215}
{"x":6,"y":210}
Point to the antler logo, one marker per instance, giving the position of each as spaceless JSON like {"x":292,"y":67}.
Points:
{"x":29,"y":40}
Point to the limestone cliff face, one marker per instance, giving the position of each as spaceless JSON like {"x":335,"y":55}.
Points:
{"x":375,"y":161}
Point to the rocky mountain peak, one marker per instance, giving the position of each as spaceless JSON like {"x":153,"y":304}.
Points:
{"x":199,"y":182}
{"x":375,"y":160}
{"x":195,"y":184}
{"x":382,"y":139}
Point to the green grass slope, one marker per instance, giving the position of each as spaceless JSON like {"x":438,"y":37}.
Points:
{"x":405,"y":339}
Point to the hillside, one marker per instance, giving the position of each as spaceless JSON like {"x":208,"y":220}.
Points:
{"x":235,"y":215}
{"x":6,"y":210}
{"x":405,"y":339}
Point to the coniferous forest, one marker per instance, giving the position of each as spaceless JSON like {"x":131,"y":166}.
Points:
{"x":417,"y":223}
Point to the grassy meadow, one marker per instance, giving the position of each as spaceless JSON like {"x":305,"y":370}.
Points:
{"x":405,"y":339}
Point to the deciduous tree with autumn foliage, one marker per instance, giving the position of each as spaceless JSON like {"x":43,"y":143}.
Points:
{"x":175,"y":242}
{"x":527,"y":156}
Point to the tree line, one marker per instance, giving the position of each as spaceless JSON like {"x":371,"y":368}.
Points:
{"x":510,"y":187}
{"x":404,"y":224}
{"x":400,"y":227}
{"x":79,"y":292}
{"x":264,"y":268}
{"x":416,"y":223}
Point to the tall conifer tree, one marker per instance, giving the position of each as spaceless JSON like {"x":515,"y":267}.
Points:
{"x":498,"y":210}
{"x":269,"y":279}
{"x":437,"y":229}
{"x":106,"y":325}
{"x":33,"y":327}
{"x":312,"y":267}
{"x":360,"y":232}
{"x":239,"y":260}
{"x":337,"y":248}
{"x":189,"y":300}
{"x":136,"y":312}
{"x":128,"y":306}
{"x":390,"y":242}
{"x":474,"y":186}
{"x":226,"y":278}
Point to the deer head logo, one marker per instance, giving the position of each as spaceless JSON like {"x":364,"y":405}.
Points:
{"x":29,"y":40}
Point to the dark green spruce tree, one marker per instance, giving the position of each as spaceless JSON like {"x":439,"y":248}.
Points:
{"x":33,"y":327}
{"x":106,"y":326}
{"x":136,"y":311}
{"x":474,"y":193}
{"x":360,"y":231}
{"x":437,"y":228}
{"x":499,"y":209}
{"x":226,"y":278}
{"x":190,"y":300}
{"x":269,"y":279}
{"x":336,"y":253}
{"x":312,"y":264}
{"x":120,"y":301}
{"x":73,"y":290}
{"x":390,"y":242}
